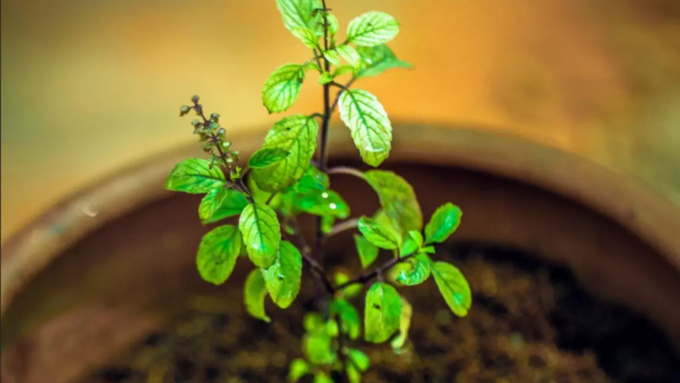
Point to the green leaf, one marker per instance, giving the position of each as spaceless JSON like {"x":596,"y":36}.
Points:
{"x":231,"y":203}
{"x":343,"y":70}
{"x":371,"y":29}
{"x":428,"y":250}
{"x":313,"y":180}
{"x":266,"y":157}
{"x":385,"y":237}
{"x":368,"y":122}
{"x":332,"y":328}
{"x":350,"y":54}
{"x":261,"y":233}
{"x":332,"y":24}
{"x":307,"y":36}
{"x":321,"y":377}
{"x":353,"y":374}
{"x":443,"y":223}
{"x":408,"y":247}
{"x":367,"y":251}
{"x":349,"y":317}
{"x":318,"y":347}
{"x":295,"y":134}
{"x":350,"y":291}
{"x":332,"y":56}
{"x":210,"y":203}
{"x":254,"y":293}
{"x":283,"y":277}
{"x":453,"y":287}
{"x":300,"y":14}
{"x":322,"y":203}
{"x":194,"y":176}
{"x":313,"y":322}
{"x":282,"y":87}
{"x":217,"y":254}
{"x":397,"y":199}
{"x":404,"y":325}
{"x":375,"y":60}
{"x":298,"y":368}
{"x":382,"y":312}
{"x":359,"y":359}
{"x":417,"y":236}
{"x":325,"y":78}
{"x":418,"y":272}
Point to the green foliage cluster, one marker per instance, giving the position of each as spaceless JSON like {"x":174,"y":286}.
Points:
{"x":283,"y":181}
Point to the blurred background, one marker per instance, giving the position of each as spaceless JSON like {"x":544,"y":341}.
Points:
{"x":90,"y":87}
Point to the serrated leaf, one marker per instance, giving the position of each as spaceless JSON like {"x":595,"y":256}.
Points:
{"x":418,"y":273}
{"x":367,"y":251}
{"x":307,"y":36}
{"x":322,"y":203}
{"x":295,"y":134}
{"x":350,"y":291}
{"x":282,"y":87}
{"x":232,"y":203}
{"x":375,"y":60}
{"x":300,"y":13}
{"x":350,"y":321}
{"x":283,"y":277}
{"x":194,"y":176}
{"x":372,"y":28}
{"x":350,"y":55}
{"x":397,"y":199}
{"x":453,"y":286}
{"x":443,"y":223}
{"x":297,"y":369}
{"x":254,"y":293}
{"x":266,"y":157}
{"x":332,"y":56}
{"x":261,"y":233}
{"x":368,"y":122}
{"x":325,"y":78}
{"x":359,"y":359}
{"x":217,"y":254}
{"x":404,"y":325}
{"x":313,"y":180}
{"x":321,"y":377}
{"x":384,"y":237}
{"x":382,"y":312}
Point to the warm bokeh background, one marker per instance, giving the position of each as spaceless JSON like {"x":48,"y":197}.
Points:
{"x":91,"y":86}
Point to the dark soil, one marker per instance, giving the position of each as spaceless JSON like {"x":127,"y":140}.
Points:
{"x":530,"y":322}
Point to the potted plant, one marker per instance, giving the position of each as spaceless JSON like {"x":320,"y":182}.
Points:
{"x":282,"y":181}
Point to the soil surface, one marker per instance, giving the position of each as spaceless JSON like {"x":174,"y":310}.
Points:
{"x":530,"y":322}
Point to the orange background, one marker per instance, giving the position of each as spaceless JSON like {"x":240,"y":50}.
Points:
{"x":91,"y":86}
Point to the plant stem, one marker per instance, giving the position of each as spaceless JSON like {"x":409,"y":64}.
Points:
{"x":376,"y":273}
{"x":346,"y":170}
{"x":343,"y":226}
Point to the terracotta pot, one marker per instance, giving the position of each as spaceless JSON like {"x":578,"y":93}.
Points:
{"x":102,"y":268}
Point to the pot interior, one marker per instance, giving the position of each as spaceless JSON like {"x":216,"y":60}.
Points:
{"x":129,"y":277}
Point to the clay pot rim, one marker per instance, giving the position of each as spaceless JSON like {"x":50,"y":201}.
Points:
{"x":644,"y":212}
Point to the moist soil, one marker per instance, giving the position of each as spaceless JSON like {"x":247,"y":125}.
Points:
{"x":530,"y":322}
